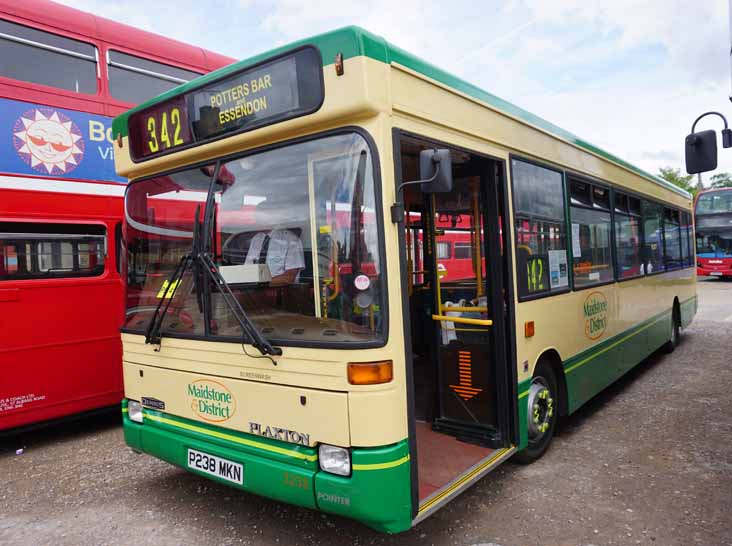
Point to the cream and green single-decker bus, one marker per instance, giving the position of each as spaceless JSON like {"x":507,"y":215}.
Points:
{"x":358,"y":284}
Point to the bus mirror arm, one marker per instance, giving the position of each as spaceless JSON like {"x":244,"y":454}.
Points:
{"x":435,"y":170}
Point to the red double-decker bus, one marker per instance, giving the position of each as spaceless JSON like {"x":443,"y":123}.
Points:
{"x":64,"y":74}
{"x":713,"y":219}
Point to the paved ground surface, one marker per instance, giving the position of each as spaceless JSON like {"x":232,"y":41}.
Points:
{"x":647,"y":462}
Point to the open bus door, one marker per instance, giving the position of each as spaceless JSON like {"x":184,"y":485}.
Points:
{"x":463,"y":380}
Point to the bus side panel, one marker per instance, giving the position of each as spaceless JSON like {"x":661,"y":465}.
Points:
{"x":59,"y":355}
{"x":590,"y":371}
{"x":688,"y":310}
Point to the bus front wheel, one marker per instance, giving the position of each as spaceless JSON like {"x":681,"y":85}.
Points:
{"x":542,"y":413}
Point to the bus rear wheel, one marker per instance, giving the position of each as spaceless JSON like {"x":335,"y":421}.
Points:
{"x":542,"y":413}
{"x":673,"y":341}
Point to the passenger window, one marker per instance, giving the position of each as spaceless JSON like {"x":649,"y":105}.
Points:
{"x":652,"y":253}
{"x":627,"y":238}
{"x":592,"y":260}
{"x":443,"y":250}
{"x":39,"y":251}
{"x":686,"y":258}
{"x":462,"y":251}
{"x":36,"y":56}
{"x":541,"y":241}
{"x":672,"y":239}
{"x":134,"y":79}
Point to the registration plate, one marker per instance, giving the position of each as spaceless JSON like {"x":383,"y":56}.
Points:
{"x":716,"y":273}
{"x":216,"y":466}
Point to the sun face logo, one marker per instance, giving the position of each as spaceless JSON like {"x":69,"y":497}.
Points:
{"x":48,"y":141}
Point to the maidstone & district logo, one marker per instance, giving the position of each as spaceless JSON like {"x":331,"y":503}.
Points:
{"x":211,"y":400}
{"x":595,"y":313}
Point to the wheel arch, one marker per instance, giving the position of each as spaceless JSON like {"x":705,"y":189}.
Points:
{"x":551,"y":357}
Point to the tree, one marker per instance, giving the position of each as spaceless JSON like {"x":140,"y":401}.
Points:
{"x":674,"y":176}
{"x":721,"y":180}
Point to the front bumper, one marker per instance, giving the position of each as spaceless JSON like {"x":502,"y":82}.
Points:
{"x":377,"y":492}
{"x":708,"y":272}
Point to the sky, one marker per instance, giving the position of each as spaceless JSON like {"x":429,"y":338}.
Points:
{"x":630,"y":76}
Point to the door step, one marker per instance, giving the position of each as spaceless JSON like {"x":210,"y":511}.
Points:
{"x":439,"y":498}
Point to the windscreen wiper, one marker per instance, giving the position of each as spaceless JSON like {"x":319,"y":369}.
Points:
{"x":257,"y":339}
{"x":170,"y":286}
{"x":203,"y":258}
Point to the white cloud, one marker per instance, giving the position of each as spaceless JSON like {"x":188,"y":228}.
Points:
{"x":628,"y":75}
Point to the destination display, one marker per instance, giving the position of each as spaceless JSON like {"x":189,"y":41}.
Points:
{"x":274,"y":91}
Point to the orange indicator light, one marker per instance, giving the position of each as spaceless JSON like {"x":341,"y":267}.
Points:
{"x":370,"y":373}
{"x":529,"y":328}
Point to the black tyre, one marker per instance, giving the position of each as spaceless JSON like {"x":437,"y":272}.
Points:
{"x":543,"y":412}
{"x":673,"y":341}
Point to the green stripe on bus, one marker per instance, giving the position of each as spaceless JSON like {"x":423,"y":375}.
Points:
{"x":355,"y":42}
{"x":381,"y":466}
{"x":235,"y":437}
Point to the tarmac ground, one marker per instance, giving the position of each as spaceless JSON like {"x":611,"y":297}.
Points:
{"x":648,"y":461}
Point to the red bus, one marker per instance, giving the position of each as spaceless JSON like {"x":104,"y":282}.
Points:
{"x":64,"y":74}
{"x":713,"y":219}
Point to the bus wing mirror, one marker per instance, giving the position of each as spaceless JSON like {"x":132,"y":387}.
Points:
{"x":435,"y":169}
{"x":701,"y":152}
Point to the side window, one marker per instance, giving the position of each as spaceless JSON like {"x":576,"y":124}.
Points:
{"x":672,"y":239}
{"x":443,"y":250}
{"x":592,"y":260}
{"x":42,"y":251}
{"x":134,"y":79}
{"x":463,"y":251}
{"x":652,"y":253}
{"x":541,"y":240}
{"x":35,"y":56}
{"x":687,"y":251}
{"x":627,"y":235}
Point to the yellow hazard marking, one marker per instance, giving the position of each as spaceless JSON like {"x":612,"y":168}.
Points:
{"x":164,"y":289}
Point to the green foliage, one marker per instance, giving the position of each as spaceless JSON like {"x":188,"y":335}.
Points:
{"x":683,"y":181}
{"x":721,"y":180}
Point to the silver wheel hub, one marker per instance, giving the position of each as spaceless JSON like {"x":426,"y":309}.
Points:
{"x":541,"y":408}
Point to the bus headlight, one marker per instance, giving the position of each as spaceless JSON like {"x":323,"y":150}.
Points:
{"x":336,"y":460}
{"x":134,"y":411}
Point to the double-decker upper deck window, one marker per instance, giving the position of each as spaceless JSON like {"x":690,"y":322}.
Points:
{"x":591,"y":227}
{"x":628,"y":238}
{"x":37,"y":56}
{"x":541,"y":247}
{"x":42,"y":251}
{"x":134,"y":79}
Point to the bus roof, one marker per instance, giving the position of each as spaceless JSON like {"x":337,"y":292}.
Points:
{"x":66,"y":18}
{"x":354,"y":41}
